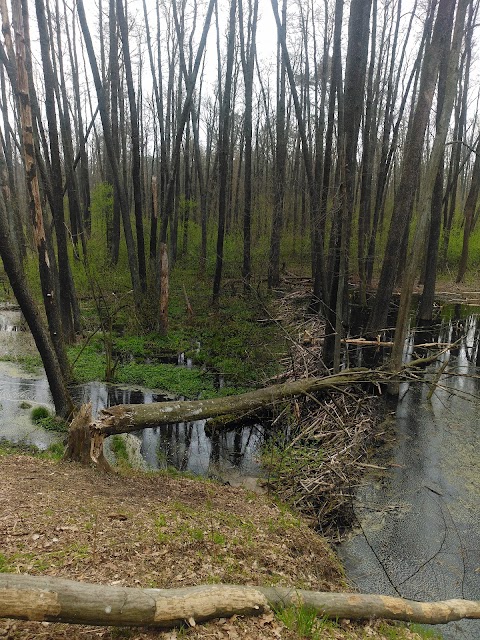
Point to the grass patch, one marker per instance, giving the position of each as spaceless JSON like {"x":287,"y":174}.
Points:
{"x":305,"y":621}
{"x":31,"y":363}
{"x":398,"y":630}
{"x":5,"y":566}
{"x":54,"y":451}
{"x":119,"y":449}
{"x":42,"y":417}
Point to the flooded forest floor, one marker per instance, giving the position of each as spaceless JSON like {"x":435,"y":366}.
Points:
{"x":159,"y":530}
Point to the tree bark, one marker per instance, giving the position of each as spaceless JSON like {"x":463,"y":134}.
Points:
{"x":135,"y":151}
{"x":247,"y":50}
{"x":280,"y":161}
{"x":412,"y":159}
{"x":18,"y":282}
{"x":164,"y":289}
{"x":39,"y":598}
{"x":107,"y":133}
{"x":67,"y":290}
{"x":469,"y":212}
{"x":223,"y":148}
{"x":425,"y":201}
{"x":19,"y":79}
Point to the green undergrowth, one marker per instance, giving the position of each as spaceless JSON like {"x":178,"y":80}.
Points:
{"x":233,"y":346}
{"x":54,"y":451}
{"x":31,"y":363}
{"x":42,"y":417}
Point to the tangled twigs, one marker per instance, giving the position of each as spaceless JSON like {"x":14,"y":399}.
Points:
{"x":328,"y":434}
{"x":323,"y":462}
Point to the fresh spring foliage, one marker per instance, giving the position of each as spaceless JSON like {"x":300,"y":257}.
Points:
{"x":232,"y":347}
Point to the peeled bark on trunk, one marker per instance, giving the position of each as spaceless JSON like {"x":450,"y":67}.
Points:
{"x":164,"y":289}
{"x":49,"y":599}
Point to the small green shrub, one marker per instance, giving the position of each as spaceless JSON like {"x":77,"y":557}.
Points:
{"x":39,"y":413}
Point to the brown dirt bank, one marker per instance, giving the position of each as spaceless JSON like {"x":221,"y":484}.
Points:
{"x":152,"y":530}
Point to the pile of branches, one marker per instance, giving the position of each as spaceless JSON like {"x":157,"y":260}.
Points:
{"x":317,"y":459}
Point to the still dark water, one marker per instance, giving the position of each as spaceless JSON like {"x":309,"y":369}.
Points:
{"x":419,"y":522}
{"x":231,"y":456}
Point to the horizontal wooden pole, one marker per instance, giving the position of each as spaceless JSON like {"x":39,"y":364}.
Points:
{"x":58,"y":600}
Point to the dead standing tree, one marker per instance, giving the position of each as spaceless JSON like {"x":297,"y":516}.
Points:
{"x":49,"y":342}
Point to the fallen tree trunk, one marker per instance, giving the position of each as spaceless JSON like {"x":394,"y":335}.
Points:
{"x":86,"y":436}
{"x":124,"y":418}
{"x":57,"y":600}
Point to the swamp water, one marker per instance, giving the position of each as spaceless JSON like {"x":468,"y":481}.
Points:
{"x":229,"y":456}
{"x":419,"y":521}
{"x":418,"y":533}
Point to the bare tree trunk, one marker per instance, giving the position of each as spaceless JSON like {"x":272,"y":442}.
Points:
{"x":388,"y":146}
{"x":18,"y":282}
{"x":452,"y":55}
{"x":135,"y":151}
{"x":84,"y":178}
{"x":320,"y":271}
{"x":247,"y":49}
{"x":19,"y":80}
{"x":410,"y":166}
{"x":164,"y":287}
{"x":223,"y":145}
{"x":107,"y":133}
{"x":280,"y":160}
{"x":67,"y":291}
